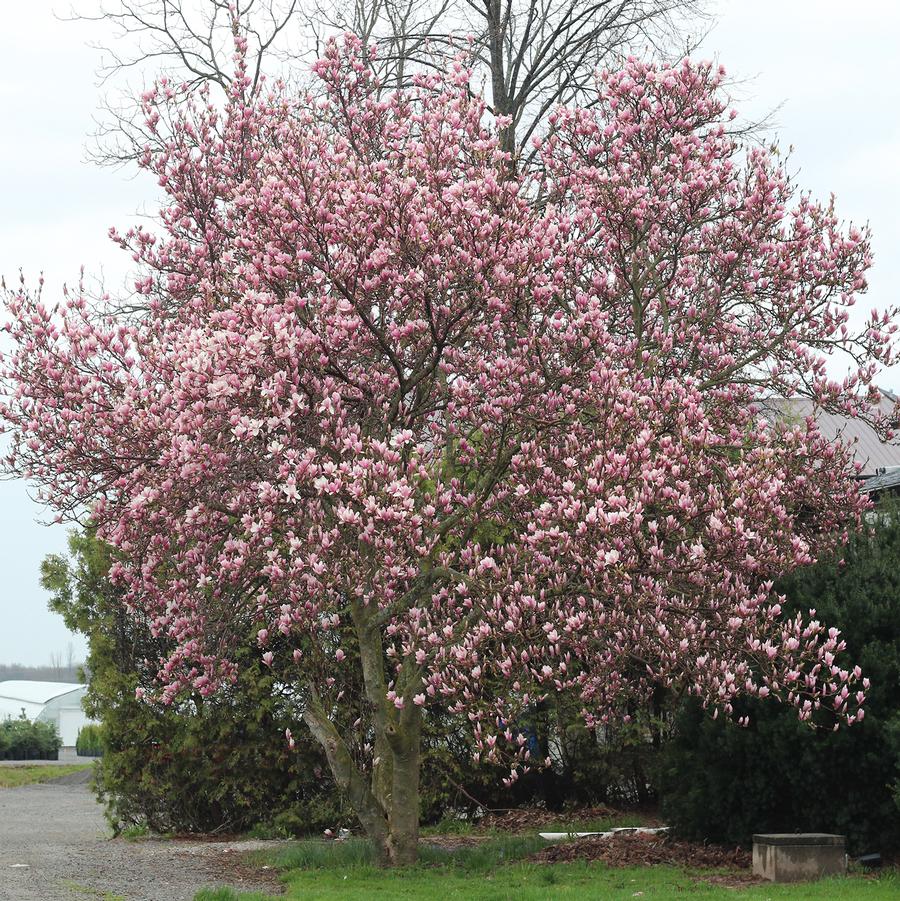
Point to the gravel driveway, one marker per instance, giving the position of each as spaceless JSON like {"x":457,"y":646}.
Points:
{"x":54,"y":845}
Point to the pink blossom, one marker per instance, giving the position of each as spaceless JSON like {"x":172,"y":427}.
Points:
{"x":377,"y":391}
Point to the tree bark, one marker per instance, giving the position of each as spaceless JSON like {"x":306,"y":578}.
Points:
{"x":406,"y":745}
{"x":371,"y":654}
{"x":371,"y":813}
{"x":499,"y":93}
{"x":387,"y":799}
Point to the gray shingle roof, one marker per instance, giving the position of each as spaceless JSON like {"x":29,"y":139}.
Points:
{"x":868,"y":448}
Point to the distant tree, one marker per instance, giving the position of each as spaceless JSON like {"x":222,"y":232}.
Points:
{"x":534,"y":54}
{"x":49,"y":673}
{"x":435,"y":444}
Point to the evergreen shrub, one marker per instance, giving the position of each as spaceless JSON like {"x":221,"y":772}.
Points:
{"x":720,"y":782}
{"x":21,"y":739}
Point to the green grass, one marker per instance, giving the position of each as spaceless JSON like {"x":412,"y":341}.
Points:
{"x":356,"y":854}
{"x":496,"y":871}
{"x":15,"y":776}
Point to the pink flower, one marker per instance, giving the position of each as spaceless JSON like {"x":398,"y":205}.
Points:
{"x":377,"y":395}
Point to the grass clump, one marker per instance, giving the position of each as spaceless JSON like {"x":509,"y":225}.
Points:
{"x":17,"y":776}
{"x":228,"y":894}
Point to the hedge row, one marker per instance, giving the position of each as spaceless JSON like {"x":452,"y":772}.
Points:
{"x":90,"y":741}
{"x":20,"y":739}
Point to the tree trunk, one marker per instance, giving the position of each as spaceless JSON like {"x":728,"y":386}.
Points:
{"x":392,"y":824}
{"x":406,"y":745}
{"x":386,"y":799}
{"x":500,"y":99}
{"x":368,"y":808}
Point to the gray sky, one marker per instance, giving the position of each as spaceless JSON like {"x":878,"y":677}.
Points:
{"x":832,"y":72}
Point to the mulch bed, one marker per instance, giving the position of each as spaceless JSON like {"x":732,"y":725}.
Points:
{"x":642,"y":850}
{"x":454,"y":842}
{"x":531,"y":819}
{"x":238,"y":868}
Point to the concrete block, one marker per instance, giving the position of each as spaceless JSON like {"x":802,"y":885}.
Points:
{"x":795,"y":857}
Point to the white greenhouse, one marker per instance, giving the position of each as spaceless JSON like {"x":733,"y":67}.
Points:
{"x":49,"y":702}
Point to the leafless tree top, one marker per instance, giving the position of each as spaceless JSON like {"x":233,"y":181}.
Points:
{"x":531,"y":54}
{"x":535,"y":54}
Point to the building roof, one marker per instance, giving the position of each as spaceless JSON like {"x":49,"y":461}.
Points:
{"x":874,"y":454}
{"x":10,"y":709}
{"x":890,"y":478}
{"x":26,"y":692}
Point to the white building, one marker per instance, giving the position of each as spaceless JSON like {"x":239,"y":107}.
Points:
{"x":50,"y":702}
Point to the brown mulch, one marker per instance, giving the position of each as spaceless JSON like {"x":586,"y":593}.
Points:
{"x":642,"y":850}
{"x":452,"y":842}
{"x":240,"y":868}
{"x":528,"y":819}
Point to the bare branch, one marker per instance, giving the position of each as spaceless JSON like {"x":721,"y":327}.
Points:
{"x":533,"y":54}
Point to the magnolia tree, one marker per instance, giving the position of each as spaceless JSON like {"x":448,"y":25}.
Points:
{"x":442,"y":435}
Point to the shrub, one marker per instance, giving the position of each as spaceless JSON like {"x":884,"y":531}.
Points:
{"x":610,"y":765}
{"x":215,"y":764}
{"x":90,"y":741}
{"x":199,"y":764}
{"x":723,"y":783}
{"x":21,"y":739}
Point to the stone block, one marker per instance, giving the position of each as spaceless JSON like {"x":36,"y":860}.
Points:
{"x":795,"y":857}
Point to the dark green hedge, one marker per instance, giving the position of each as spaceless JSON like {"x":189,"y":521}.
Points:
{"x":723,"y":783}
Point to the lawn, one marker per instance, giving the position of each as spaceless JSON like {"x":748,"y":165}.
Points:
{"x":15,"y":776}
{"x":496,"y":870}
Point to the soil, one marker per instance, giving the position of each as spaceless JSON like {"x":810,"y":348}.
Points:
{"x":454,"y":842}
{"x":55,"y":846}
{"x":533,"y":819}
{"x":642,"y":850}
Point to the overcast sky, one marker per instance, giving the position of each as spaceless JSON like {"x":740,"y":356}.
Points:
{"x":829,"y":69}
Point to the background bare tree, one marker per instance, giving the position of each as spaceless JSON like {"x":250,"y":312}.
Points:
{"x":535,"y":54}
{"x":531,"y":54}
{"x":190,"y":41}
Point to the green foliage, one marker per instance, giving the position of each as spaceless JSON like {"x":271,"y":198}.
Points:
{"x":200,"y":764}
{"x":611,"y":765}
{"x":21,"y":739}
{"x":721,"y":782}
{"x":90,"y":741}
